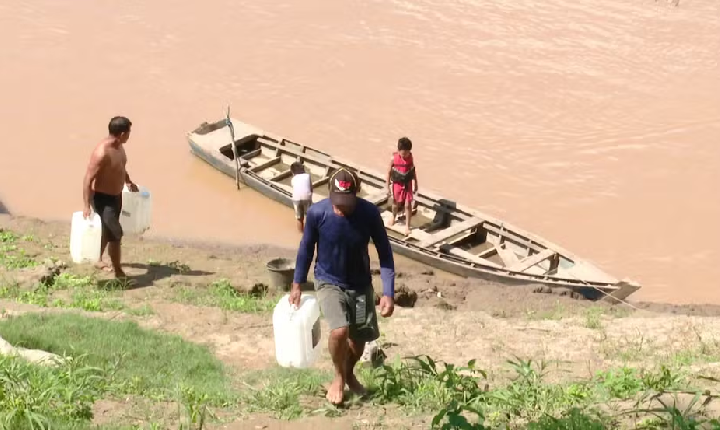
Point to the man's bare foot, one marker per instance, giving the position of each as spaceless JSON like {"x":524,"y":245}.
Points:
{"x":391,"y":222}
{"x":355,"y":386}
{"x":101,"y":265}
{"x":407,"y":231}
{"x":336,"y":390}
{"x":119,"y":274}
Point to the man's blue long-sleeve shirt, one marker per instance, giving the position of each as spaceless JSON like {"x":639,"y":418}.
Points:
{"x":342,"y":247}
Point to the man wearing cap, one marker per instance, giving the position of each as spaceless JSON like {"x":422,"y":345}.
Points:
{"x":341,"y":226}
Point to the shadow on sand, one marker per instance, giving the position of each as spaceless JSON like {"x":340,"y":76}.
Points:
{"x":3,"y":208}
{"x":153,"y":273}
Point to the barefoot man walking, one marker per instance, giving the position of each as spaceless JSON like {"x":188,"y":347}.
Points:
{"x":341,"y":227}
{"x":103,"y":185}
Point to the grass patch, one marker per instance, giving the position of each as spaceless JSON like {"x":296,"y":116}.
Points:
{"x":593,"y":317}
{"x":7,"y":236}
{"x":34,"y":396}
{"x":13,"y":257}
{"x":223,"y":295}
{"x":173,"y":265}
{"x":141,"y":311}
{"x":465,"y":400}
{"x":139,"y":361}
{"x":70,"y":291}
{"x":558,"y":312}
{"x":280,"y":391}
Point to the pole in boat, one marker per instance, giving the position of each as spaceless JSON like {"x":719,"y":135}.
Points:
{"x":234,"y":148}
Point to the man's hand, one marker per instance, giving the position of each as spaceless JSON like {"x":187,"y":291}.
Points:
{"x":87,"y":212}
{"x":295,"y":294}
{"x":387,"y":306}
{"x":132,"y":187}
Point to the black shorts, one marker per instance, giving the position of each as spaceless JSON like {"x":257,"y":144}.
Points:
{"x":108,"y":207}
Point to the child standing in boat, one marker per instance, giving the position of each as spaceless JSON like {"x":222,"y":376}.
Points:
{"x":302,"y":193}
{"x":402,"y":181}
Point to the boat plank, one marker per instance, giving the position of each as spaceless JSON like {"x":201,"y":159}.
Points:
{"x":451,"y":231}
{"x":508,"y":257}
{"x":510,"y":235}
{"x":377,"y":199}
{"x":458,"y":252}
{"x":532,"y":260}
{"x":266,"y":164}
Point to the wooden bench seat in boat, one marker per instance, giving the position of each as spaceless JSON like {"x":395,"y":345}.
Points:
{"x":451,"y":231}
{"x":532,"y":260}
{"x":458,"y":252}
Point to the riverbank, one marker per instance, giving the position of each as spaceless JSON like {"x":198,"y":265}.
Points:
{"x":600,"y":358}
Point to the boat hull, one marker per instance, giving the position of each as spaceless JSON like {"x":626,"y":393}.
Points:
{"x":613,"y":291}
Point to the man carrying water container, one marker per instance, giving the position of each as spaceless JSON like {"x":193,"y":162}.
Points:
{"x":103,"y":186}
{"x":341,"y":226}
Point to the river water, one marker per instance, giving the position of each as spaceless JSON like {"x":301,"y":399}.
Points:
{"x":593,"y":124}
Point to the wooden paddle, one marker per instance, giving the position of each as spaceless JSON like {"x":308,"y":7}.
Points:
{"x":234,"y":147}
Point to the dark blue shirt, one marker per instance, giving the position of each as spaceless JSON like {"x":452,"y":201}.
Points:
{"x":342,"y":247}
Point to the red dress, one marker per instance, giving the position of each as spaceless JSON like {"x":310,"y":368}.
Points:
{"x":402,"y":190}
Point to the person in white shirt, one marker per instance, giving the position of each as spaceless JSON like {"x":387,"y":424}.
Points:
{"x":302,"y":193}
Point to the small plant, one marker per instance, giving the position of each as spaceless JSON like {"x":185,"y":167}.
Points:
{"x":281,"y":391}
{"x":6,"y":236}
{"x":423,"y":384}
{"x":574,"y":419}
{"x":195,"y":407}
{"x":593,"y":318}
{"x":454,"y":417}
{"x":671,"y":417}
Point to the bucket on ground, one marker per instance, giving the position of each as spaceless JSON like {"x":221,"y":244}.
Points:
{"x":281,"y":272}
{"x":297,"y":331}
{"x":85,"y":238}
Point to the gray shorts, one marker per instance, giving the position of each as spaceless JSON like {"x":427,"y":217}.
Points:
{"x":301,"y":208}
{"x":343,"y":308}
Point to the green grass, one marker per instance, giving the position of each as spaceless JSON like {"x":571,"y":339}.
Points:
{"x":140,"y":361}
{"x":13,"y":257}
{"x":465,"y":400}
{"x":141,"y":311}
{"x":223,"y":295}
{"x":110,"y":359}
{"x":83,"y":292}
{"x":116,"y":359}
{"x":278,"y":391}
{"x":33,"y":396}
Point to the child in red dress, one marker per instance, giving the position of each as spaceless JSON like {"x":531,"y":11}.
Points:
{"x":402,"y":181}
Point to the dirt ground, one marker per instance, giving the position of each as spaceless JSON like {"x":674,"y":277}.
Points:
{"x":472,"y":319}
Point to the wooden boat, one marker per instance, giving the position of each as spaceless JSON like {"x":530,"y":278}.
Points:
{"x":445,"y":235}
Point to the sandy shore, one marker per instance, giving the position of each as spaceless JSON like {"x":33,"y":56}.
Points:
{"x":452,"y":319}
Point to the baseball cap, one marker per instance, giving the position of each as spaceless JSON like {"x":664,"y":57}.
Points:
{"x":343,"y":188}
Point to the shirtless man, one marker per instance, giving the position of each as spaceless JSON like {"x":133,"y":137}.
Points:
{"x":103,"y":185}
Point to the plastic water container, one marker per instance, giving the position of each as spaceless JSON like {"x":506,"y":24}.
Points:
{"x":297,"y":332}
{"x":85,"y":238}
{"x":136,"y":210}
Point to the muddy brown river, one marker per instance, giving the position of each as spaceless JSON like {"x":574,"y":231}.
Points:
{"x":593,"y":124}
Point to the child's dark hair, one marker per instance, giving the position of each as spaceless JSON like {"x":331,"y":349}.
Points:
{"x":404,"y":144}
{"x":296,"y":168}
